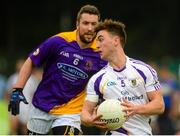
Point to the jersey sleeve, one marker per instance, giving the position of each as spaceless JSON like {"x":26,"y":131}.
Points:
{"x":91,"y":94}
{"x":44,"y":51}
{"x":152,"y":82}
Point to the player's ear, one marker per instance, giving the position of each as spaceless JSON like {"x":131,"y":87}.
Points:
{"x":116,"y":40}
{"x":77,"y":24}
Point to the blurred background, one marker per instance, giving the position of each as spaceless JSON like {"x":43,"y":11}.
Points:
{"x":153,"y":36}
{"x":152,"y":26}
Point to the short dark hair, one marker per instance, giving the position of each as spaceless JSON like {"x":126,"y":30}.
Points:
{"x":90,"y":9}
{"x":114,"y":27}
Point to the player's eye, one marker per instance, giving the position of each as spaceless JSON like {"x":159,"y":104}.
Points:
{"x":94,"y":24}
{"x":85,"y":23}
{"x":100,"y":39}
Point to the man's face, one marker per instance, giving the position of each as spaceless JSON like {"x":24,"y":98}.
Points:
{"x":86,"y":26}
{"x":105,"y":44}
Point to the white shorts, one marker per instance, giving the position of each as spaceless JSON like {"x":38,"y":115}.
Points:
{"x":24,"y":112}
{"x":41,"y":122}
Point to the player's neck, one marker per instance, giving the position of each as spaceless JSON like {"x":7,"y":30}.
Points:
{"x":83,"y":45}
{"x":118,"y":61}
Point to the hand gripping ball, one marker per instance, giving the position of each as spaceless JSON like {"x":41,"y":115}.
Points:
{"x":112,"y":114}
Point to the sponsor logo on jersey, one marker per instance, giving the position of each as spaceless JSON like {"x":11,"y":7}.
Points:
{"x":78,"y":56}
{"x":124,"y":93}
{"x":134,"y":98}
{"x":66,"y":54}
{"x":131,"y":98}
{"x":72,"y":71}
{"x":111,"y":83}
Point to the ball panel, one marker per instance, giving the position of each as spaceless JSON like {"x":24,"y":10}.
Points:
{"x":113,"y":115}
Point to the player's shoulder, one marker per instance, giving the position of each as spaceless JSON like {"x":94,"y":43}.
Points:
{"x":68,"y":36}
{"x":140,"y":65}
{"x":100,"y":73}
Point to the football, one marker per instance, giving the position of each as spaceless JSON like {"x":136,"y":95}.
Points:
{"x":112,"y":114}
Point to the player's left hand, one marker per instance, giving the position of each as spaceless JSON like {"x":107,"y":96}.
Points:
{"x":129,"y":108}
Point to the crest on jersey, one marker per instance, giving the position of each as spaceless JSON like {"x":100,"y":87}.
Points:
{"x":36,"y":52}
{"x":133,"y":82}
{"x":89,"y":65}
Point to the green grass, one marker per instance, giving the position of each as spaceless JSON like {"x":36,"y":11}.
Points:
{"x":4,"y":118}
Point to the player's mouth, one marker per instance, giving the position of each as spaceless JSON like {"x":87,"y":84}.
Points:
{"x":89,"y":33}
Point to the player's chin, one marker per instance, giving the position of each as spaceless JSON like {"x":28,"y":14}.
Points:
{"x":103,"y":57}
{"x":101,"y":54}
{"x":89,"y":40}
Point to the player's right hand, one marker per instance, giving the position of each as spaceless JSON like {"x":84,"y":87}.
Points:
{"x":16,"y":97}
{"x":96,"y":120}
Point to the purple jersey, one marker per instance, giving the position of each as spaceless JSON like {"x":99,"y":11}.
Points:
{"x":67,"y":69}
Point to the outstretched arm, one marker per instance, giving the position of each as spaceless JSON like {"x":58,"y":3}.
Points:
{"x":24,"y":74}
{"x":17,"y":94}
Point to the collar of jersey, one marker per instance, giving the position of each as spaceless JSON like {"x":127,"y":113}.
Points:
{"x":71,"y":36}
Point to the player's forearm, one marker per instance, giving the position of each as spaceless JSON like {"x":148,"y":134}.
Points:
{"x":155,"y":104}
{"x":151,"y":108}
{"x":24,"y":74}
